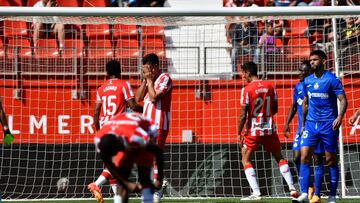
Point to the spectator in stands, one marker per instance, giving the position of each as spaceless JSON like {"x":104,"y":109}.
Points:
{"x":243,"y":39}
{"x":144,"y":3}
{"x":266,"y":42}
{"x":233,"y":3}
{"x":351,"y":32}
{"x":320,"y":26}
{"x":57,"y":28}
{"x":285,"y":2}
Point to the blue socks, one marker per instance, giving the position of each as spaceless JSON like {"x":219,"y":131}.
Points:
{"x":298,"y":168}
{"x":304,"y":177}
{"x":334,"y":179}
{"x":319,"y":175}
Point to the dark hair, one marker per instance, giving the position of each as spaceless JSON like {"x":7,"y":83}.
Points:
{"x":113,"y":68}
{"x":306,"y":63}
{"x":319,"y":53}
{"x":110,"y":144}
{"x":250,"y":67}
{"x":151,"y":59}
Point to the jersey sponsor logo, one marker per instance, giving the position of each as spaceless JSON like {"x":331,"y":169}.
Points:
{"x":318,"y":95}
{"x":261,"y":90}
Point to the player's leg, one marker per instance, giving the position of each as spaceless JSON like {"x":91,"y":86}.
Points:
{"x":272,"y":144}
{"x":147,"y":193}
{"x":249,"y":145}
{"x":95,"y":187}
{"x":161,"y":141}
{"x":318,"y":173}
{"x":296,"y":152}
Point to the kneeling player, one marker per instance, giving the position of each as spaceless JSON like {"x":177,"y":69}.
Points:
{"x":125,"y":140}
{"x":259,"y":105}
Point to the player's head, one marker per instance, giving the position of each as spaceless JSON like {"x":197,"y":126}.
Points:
{"x":317,"y":59}
{"x":151,"y":61}
{"x":113,"y":68}
{"x":248,"y":70}
{"x":304,"y":69}
{"x":110,"y":145}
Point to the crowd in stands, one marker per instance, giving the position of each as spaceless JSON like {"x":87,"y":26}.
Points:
{"x":261,"y":38}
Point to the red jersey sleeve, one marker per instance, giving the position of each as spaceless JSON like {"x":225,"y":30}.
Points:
{"x":127,"y":91}
{"x":244,"y":98}
{"x":165,"y":83}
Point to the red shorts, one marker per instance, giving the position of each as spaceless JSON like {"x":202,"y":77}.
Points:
{"x":161,"y":139}
{"x":128,"y":159}
{"x":271,"y":143}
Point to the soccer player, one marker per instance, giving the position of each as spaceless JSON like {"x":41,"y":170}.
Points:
{"x":125,"y":140}
{"x":354,"y":117}
{"x":304,"y":71}
{"x":258,"y":106}
{"x":321,"y":121}
{"x":155,"y":90}
{"x":8,"y":137}
{"x":111,"y":99}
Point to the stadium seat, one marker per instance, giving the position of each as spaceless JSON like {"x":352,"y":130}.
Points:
{"x":2,"y":50}
{"x":18,"y":47}
{"x":31,"y":3}
{"x":68,"y":3}
{"x":15,"y":28}
{"x":47,"y":48}
{"x":153,"y":45}
{"x":10,"y":2}
{"x":101,"y":31}
{"x":72,"y":48}
{"x":278,"y":42}
{"x":100,"y":48}
{"x":96,"y":3}
{"x":152,"y":31}
{"x":298,"y":48}
{"x":297,"y":27}
{"x":124,"y":31}
{"x":127,"y":48}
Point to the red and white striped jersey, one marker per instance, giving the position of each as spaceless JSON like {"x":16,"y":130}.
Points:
{"x":260,"y":97}
{"x":113,"y":95}
{"x":159,"y":112}
{"x":137,"y":130}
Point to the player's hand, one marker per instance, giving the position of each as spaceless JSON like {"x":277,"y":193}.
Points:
{"x":336,"y":123}
{"x":8,"y":137}
{"x":352,"y":120}
{"x":286,"y":130}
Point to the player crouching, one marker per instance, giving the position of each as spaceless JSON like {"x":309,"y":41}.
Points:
{"x":125,"y":140}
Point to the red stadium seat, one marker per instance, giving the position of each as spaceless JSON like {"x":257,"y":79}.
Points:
{"x":101,"y":31}
{"x":2,"y":50}
{"x":154,"y":45}
{"x":15,"y":28}
{"x":72,"y":48}
{"x":152,"y":31}
{"x":31,"y":2}
{"x":127,"y":48}
{"x":18,"y":47}
{"x":100,"y":48}
{"x":297,"y":27}
{"x":96,"y":3}
{"x":298,"y":48}
{"x":10,"y":2}
{"x":125,"y":31}
{"x":68,"y":3}
{"x":47,"y":48}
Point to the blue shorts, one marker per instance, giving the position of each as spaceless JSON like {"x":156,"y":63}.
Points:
{"x":297,"y":146}
{"x":320,"y":132}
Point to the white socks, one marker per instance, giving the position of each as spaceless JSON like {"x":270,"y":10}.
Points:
{"x":251,"y":177}
{"x":285,"y":172}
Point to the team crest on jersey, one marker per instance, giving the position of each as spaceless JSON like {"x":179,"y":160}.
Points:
{"x":316,"y":86}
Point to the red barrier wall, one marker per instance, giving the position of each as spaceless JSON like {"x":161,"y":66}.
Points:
{"x":212,"y":118}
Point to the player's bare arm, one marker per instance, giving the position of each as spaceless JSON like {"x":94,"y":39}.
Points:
{"x":97,"y":115}
{"x":353,"y":118}
{"x":291,"y":114}
{"x":141,"y":91}
{"x":134,"y":106}
{"x":242,"y":120}
{"x":275,"y":107}
{"x":343,"y":107}
{"x":155,"y":149}
{"x":304,"y":113}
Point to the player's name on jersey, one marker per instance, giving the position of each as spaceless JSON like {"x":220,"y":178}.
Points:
{"x":44,"y":124}
{"x":113,"y":88}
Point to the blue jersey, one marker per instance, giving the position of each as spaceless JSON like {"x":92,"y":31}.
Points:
{"x":322,"y":96}
{"x":298,"y":97}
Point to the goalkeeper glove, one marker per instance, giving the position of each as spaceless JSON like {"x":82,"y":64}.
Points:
{"x":8,"y":137}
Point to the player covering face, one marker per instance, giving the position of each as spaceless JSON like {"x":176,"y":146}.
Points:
{"x":125,"y":140}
